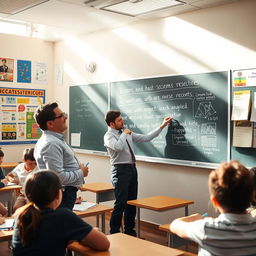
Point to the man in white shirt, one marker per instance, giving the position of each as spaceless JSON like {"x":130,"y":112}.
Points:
{"x":119,"y":144}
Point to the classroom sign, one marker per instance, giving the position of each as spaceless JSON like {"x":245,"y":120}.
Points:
{"x":18,"y":106}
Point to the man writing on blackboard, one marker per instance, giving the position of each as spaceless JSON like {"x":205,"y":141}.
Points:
{"x":119,"y":144}
{"x":53,"y":153}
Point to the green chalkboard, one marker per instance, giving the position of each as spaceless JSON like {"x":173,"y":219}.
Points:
{"x":87,"y":107}
{"x":197,"y":102}
{"x":247,"y":77}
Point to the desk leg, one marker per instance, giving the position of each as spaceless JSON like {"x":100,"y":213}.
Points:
{"x":186,"y":214}
{"x":138,"y":221}
{"x":9,"y":205}
{"x":10,"y":202}
{"x":186,"y":210}
{"x":97,"y":217}
{"x":103,"y":228}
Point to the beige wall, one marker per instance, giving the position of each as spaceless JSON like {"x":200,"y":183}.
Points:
{"x":24,"y":48}
{"x":220,"y":38}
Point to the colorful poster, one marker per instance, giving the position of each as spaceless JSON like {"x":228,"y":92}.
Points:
{"x":9,"y":131}
{"x":244,"y":78}
{"x":21,"y":131}
{"x":17,"y":115}
{"x":6,"y":69}
{"x":40,"y":73}
{"x":33,"y":130}
{"x":23,"y":71}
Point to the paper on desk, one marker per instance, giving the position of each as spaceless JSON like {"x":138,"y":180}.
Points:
{"x":11,"y":184}
{"x":243,"y":134}
{"x":83,"y":206}
{"x":241,"y":105}
{"x":8,"y":224}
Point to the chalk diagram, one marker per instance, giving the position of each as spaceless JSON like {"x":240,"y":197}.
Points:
{"x":208,"y":129}
{"x":204,"y":110}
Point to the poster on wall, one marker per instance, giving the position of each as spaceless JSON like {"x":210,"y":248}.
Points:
{"x":18,"y":106}
{"x":244,"y":77}
{"x":40,"y":73}
{"x":6,"y":69}
{"x":23,"y":71}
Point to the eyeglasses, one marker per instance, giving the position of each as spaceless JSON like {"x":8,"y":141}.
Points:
{"x":63,"y":114}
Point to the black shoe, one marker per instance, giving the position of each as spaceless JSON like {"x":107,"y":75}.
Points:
{"x":130,"y":232}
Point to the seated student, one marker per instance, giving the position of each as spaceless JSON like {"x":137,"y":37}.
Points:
{"x":19,"y":174}
{"x":233,"y":232}
{"x":3,"y":182}
{"x":42,"y":228}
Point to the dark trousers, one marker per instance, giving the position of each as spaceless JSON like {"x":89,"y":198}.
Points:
{"x":68,"y":197}
{"x":125,"y":182}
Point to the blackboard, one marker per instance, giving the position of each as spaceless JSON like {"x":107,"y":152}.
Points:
{"x":247,"y":156}
{"x":87,"y":107}
{"x":199,"y":134}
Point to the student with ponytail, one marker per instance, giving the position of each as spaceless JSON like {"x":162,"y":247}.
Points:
{"x":41,"y":228}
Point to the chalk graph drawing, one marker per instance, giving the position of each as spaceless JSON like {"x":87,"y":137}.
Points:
{"x":204,"y":110}
{"x":208,"y":129}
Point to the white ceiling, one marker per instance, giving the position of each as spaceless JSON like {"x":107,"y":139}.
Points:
{"x":72,"y":17}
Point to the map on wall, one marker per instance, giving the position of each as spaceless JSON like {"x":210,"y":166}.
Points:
{"x":18,"y":105}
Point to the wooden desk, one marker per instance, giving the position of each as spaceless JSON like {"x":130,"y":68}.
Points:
{"x":160,"y":204}
{"x":104,"y":192}
{"x":97,"y":210}
{"x":9,"y":166}
{"x":6,"y":235}
{"x":7,"y":194}
{"x":124,"y":245}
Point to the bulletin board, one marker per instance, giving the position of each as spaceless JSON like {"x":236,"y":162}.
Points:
{"x":245,"y":79}
{"x":17,"y":122}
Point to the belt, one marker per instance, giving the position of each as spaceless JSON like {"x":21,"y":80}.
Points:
{"x":129,"y":165}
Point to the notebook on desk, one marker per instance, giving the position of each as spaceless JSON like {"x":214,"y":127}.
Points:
{"x":7,"y":225}
{"x":83,"y":206}
{"x":11,"y":184}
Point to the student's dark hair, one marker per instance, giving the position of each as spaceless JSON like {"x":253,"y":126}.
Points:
{"x":45,"y":113}
{"x":111,"y":116}
{"x":41,"y":188}
{"x":4,"y":60}
{"x":232,"y":186}
{"x":28,"y":154}
{"x":1,"y":153}
{"x":253,"y":173}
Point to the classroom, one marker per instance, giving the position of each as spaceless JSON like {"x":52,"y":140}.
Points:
{"x":217,"y":38}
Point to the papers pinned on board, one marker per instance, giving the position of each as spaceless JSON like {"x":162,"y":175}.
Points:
{"x":241,"y":105}
{"x":243,"y":134}
{"x":83,"y":206}
{"x":7,"y":225}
